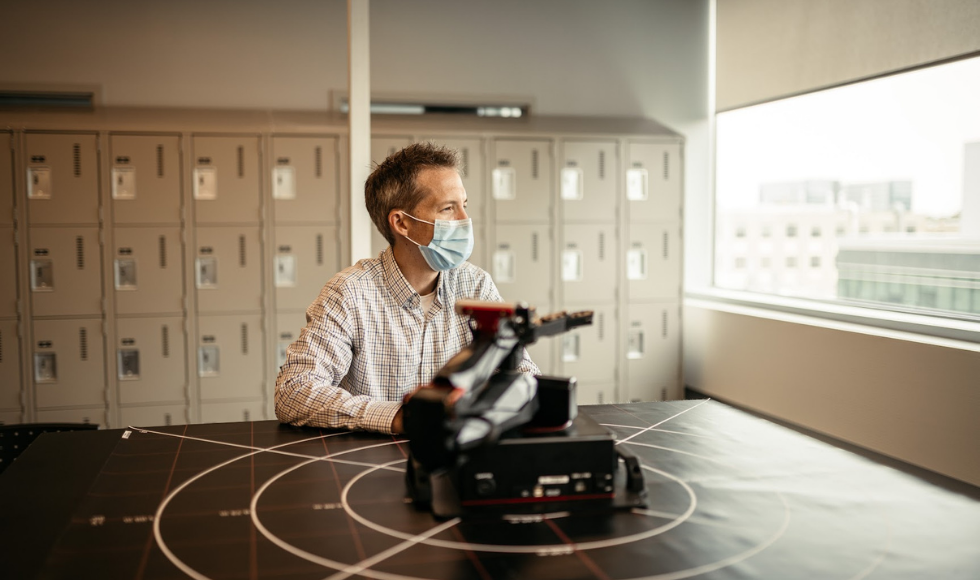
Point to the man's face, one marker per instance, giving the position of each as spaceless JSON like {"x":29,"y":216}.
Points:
{"x":445,"y":200}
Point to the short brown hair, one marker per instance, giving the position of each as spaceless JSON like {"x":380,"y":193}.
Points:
{"x":394,"y":183}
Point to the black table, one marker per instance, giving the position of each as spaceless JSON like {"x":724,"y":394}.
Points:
{"x":731,"y":496}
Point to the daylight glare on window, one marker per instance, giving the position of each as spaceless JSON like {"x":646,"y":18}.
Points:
{"x":866,"y":193}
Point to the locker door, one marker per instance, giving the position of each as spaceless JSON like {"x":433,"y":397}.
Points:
{"x":595,"y":393}
{"x":479,"y":255}
{"x":226,"y":180}
{"x":89,"y":415}
{"x":471,"y":172}
{"x":11,"y":417}
{"x":67,"y":365}
{"x":588,"y":264}
{"x":150,"y":360}
{"x":65,"y":271}
{"x":521,"y":181}
{"x":653,"y":350}
{"x":588,"y":353}
{"x":229,"y":357}
{"x":288,"y":327}
{"x":228,"y":269}
{"x":381,"y":148}
{"x":653,"y":182}
{"x":233,"y":412}
{"x":542,"y":353}
{"x":9,"y":365}
{"x":62,"y":179}
{"x":6,"y":181}
{"x":8,"y":266}
{"x":145,"y":179}
{"x":653,"y":262}
{"x":305,"y":180}
{"x":587,"y":186}
{"x":306,"y":257}
{"x":153,"y":416}
{"x":522,"y":263}
{"x":148,"y":270}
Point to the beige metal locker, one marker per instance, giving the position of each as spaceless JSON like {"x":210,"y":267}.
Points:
{"x":62,"y":179}
{"x":8,"y":273}
{"x":522,"y":264}
{"x":11,"y":417}
{"x":588,"y":353}
{"x":145,"y":179}
{"x":10,"y":377}
{"x":305,"y":180}
{"x":88,"y":415}
{"x":652,"y":346}
{"x":588,"y":262}
{"x":542,"y":353}
{"x":232,"y":412}
{"x":653,"y":182}
{"x":148,"y":270}
{"x":381,"y":148}
{"x":153,"y":416}
{"x":305,"y":258}
{"x":226,"y":179}
{"x":6,"y":181}
{"x":480,"y":246}
{"x":653,"y":262}
{"x":67,"y":363}
{"x":230,"y":355}
{"x":65,"y":271}
{"x":471,"y":172}
{"x":595,"y":393}
{"x":521,"y":181}
{"x":228,"y":269}
{"x":288,"y":327}
{"x":149,"y":360}
{"x":587,"y":181}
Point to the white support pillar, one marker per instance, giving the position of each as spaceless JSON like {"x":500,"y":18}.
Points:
{"x":359,"y":120}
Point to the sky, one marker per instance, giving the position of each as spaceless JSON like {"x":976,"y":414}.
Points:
{"x":910,"y":126}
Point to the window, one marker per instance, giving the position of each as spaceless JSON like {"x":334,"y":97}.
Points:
{"x":878,"y":171}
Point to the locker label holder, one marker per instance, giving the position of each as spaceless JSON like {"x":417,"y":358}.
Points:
{"x":206,"y":183}
{"x":125,"y":274}
{"x":123,"y":183}
{"x":284,"y":182}
{"x":207,"y":272}
{"x":637,"y":184}
{"x":39,"y":182}
{"x":45,"y":367}
{"x":128,"y":360}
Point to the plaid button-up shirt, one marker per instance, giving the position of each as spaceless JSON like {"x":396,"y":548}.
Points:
{"x":367,"y":342}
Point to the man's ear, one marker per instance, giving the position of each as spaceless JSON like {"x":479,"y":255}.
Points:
{"x":397,"y":222}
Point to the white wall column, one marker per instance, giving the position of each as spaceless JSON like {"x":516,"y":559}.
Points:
{"x":359,"y":122}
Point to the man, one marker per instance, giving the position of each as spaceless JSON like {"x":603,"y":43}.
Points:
{"x":382,"y":327}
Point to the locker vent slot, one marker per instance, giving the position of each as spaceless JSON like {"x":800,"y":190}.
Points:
{"x":167,"y":419}
{"x":244,"y":339}
{"x":319,"y":249}
{"x":77,"y":159}
{"x":246,"y":415}
{"x":534,"y":246}
{"x":599,"y":398}
{"x":241,"y":251}
{"x":79,"y":252}
{"x":318,"y":154}
{"x":602,"y":165}
{"x":663,"y":323}
{"x":465,"y":169}
{"x":159,"y":160}
{"x":601,"y":328}
{"x":534,"y":163}
{"x":241,"y":161}
{"x":163,"y":251}
{"x":602,"y":245}
{"x":665,"y":245}
{"x":663,"y":393}
{"x":666,"y":164}
{"x":83,"y":343}
{"x":165,"y":340}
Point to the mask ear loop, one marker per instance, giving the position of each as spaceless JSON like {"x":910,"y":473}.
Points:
{"x":418,"y":220}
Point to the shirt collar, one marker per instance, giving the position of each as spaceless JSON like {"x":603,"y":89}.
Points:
{"x":399,"y":287}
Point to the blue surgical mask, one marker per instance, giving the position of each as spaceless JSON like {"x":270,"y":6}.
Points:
{"x":451,"y":245}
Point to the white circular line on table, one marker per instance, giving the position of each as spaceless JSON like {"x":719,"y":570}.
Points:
{"x":163,"y":505}
{"x":511,"y":549}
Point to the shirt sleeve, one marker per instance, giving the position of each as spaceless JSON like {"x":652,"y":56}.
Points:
{"x":488,"y":291}
{"x":308,"y":391}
